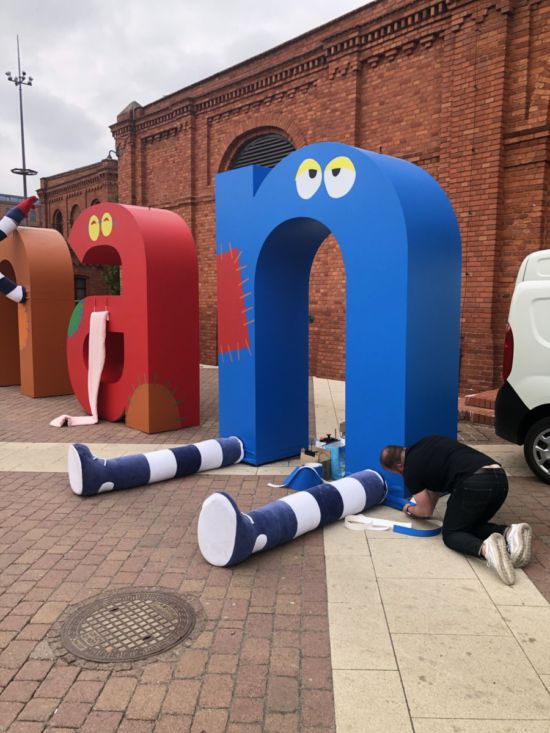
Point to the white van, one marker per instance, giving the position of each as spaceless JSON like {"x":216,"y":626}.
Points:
{"x":522,"y":408}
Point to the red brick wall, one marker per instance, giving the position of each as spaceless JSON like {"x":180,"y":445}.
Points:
{"x":459,"y":87}
{"x":72,"y":192}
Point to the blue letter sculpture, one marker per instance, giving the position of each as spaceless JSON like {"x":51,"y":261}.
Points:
{"x":401,"y":249}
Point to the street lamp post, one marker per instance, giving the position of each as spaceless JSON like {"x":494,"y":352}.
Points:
{"x":21,"y":80}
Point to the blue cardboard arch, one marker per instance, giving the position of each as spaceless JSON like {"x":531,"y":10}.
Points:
{"x":400,"y":245}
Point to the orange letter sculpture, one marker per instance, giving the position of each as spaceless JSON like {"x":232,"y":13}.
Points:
{"x":35,"y":332}
{"x":151,"y":373}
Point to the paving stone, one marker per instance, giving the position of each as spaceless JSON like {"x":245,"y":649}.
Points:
{"x":84,"y":691}
{"x":213,"y":721}
{"x":116,"y":694}
{"x":23,"y":727}
{"x":40,"y":709}
{"x":71,"y":714}
{"x":34,"y":670}
{"x":182,"y":697}
{"x":192,"y":663}
{"x":282,"y":694}
{"x":174,"y":724}
{"x":216,"y":691}
{"x":246,"y":710}
{"x":252,"y":681}
{"x":8,"y":712}
{"x":158,"y":672}
{"x":101,"y":722}
{"x":146,"y":702}
{"x":57,"y":682}
{"x":18,"y":691}
{"x":135,"y":726}
{"x":317,"y":707}
{"x":282,"y":723}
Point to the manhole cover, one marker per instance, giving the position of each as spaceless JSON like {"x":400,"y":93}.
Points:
{"x":125,"y":626}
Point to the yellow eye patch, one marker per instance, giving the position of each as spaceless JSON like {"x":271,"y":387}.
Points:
{"x":310,"y":167}
{"x":336,"y":164}
{"x":106,"y":224}
{"x":308,"y":178}
{"x":93,"y":228}
{"x":339,"y":176}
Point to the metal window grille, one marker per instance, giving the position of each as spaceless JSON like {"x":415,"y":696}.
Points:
{"x":266,"y":150}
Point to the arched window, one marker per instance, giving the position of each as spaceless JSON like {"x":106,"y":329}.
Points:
{"x":94,"y":202}
{"x":80,"y":289}
{"x":75,"y":212}
{"x":58,"y":221}
{"x":266,"y":150}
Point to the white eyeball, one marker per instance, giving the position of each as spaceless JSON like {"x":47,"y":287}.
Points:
{"x":339,"y":176}
{"x":308,"y":178}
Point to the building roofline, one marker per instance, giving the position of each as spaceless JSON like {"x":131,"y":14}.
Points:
{"x":81,"y":169}
{"x":261,"y":55}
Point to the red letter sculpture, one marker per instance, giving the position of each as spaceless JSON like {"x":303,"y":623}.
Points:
{"x":151,"y":373}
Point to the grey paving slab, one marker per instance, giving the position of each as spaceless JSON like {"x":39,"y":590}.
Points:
{"x":418,"y":558}
{"x":425,"y":605}
{"x":351,"y":579}
{"x":522,"y":593}
{"x":370,"y":702}
{"x":359,"y":637}
{"x":340,"y":541}
{"x":442,"y":725}
{"x":478,"y":677}
{"x":531,"y":627}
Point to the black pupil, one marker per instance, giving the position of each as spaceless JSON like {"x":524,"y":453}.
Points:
{"x":312,"y":172}
{"x":335,"y":171}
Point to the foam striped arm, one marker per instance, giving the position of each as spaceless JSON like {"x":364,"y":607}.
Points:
{"x":89,"y":475}
{"x":11,"y":290}
{"x":226,"y":536}
{"x":8,"y":224}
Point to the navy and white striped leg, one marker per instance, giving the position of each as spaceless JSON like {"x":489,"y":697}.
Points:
{"x":89,"y":475}
{"x":8,"y":224}
{"x":227,"y":536}
{"x":11,"y":290}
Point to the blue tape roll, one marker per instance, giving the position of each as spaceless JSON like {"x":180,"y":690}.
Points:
{"x":417,"y":532}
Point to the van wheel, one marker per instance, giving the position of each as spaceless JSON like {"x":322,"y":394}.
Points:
{"x":537,"y":449}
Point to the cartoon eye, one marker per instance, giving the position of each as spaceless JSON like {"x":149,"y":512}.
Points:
{"x":93,"y":228}
{"x":308,"y":178}
{"x":106,"y":224}
{"x":339,"y":176}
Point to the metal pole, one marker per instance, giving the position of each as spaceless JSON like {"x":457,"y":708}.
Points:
{"x":21,"y":121}
{"x":19,"y":80}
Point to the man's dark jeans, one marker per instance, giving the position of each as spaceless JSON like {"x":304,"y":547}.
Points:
{"x":473,"y":502}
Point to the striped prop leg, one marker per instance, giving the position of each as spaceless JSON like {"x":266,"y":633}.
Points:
{"x":11,"y":290}
{"x":227,"y":536}
{"x":89,"y":475}
{"x":8,"y":224}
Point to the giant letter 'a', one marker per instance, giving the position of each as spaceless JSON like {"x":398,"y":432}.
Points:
{"x":151,"y":373}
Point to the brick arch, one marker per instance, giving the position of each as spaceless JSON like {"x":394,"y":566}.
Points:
{"x":57,"y":221}
{"x":75,"y":213}
{"x":539,"y":104}
{"x":263,"y":124}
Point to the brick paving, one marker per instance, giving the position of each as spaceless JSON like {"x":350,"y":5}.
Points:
{"x":260,"y":661}
{"x":27,"y":420}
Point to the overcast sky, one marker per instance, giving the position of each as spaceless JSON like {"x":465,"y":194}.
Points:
{"x":89,"y":59}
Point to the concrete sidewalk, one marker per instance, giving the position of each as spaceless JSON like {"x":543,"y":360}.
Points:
{"x":339,"y":630}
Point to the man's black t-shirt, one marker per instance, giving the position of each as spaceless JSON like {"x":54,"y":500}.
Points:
{"x":437,"y":463}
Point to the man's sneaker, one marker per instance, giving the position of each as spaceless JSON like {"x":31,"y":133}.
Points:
{"x":519,"y":538}
{"x":497,"y":557}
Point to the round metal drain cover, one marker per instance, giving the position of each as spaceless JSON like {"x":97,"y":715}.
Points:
{"x":125,"y":626}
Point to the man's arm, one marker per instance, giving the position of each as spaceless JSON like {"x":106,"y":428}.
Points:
{"x":425,"y":504}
